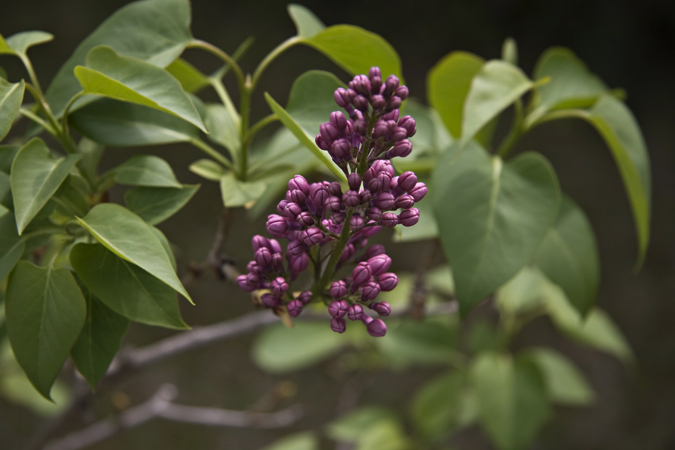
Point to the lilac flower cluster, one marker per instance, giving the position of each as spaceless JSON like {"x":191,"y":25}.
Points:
{"x":330,"y":227}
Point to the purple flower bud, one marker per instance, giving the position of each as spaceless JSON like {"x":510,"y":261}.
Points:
{"x":371,"y":231}
{"x":384,"y":200}
{"x":401,"y":149}
{"x":390,"y":85}
{"x":298,"y":182}
{"x":391,"y":115}
{"x":295,"y":248}
{"x":380,"y":129}
{"x":379,"y":264}
{"x":356,"y":222}
{"x":382,"y":308}
{"x":335,"y":189}
{"x":337,"y":219}
{"x":361,"y":103}
{"x":269,"y":300}
{"x":338,"y":119}
{"x":398,"y":134}
{"x":387,"y":281}
{"x":252,"y":279}
{"x":360,"y":275}
{"x":329,"y":132}
{"x":311,"y":236}
{"x":361,"y":84}
{"x":419,"y":191}
{"x":351,"y":199}
{"x":299,"y":263}
{"x":258,"y":242}
{"x":338,"y":325}
{"x":408,"y":123}
{"x":338,"y":289}
{"x":405,"y":201}
{"x":409,"y":217}
{"x":381,"y":165}
{"x":374,"y":72}
{"x":374,"y":250}
{"x":294,"y":308}
{"x":378,"y":102}
{"x":401,"y":92}
{"x":364,"y":196}
{"x":338,"y":308}
{"x":305,"y":219}
{"x":305,"y":297}
{"x":299,"y":197}
{"x":277,"y":261}
{"x":393,"y":103}
{"x":347,"y":253}
{"x":243,"y":283}
{"x":355,"y":312}
{"x":276,"y":225}
{"x":342,"y":97}
{"x":274,"y":246}
{"x":341,"y":149}
{"x":323,"y":145}
{"x":263,"y":257}
{"x":389,"y":220}
{"x":360,"y":125}
{"x":377,"y":328}
{"x":354,"y":180}
{"x":252,"y":266}
{"x":291,"y":210}
{"x":370,"y":291}
{"x":281,"y":206}
{"x":374,"y":213}
{"x":334,"y":203}
{"x":407,"y":181}
{"x":279,"y":286}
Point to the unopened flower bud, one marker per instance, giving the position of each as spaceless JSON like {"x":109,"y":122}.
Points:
{"x":351,"y":199}
{"x":341,"y":149}
{"x":361,"y":103}
{"x":263,"y":257}
{"x":405,"y":201}
{"x":377,"y":328}
{"x":338,"y":308}
{"x":338,"y":119}
{"x":311,"y":236}
{"x":279,"y":286}
{"x":338,"y":325}
{"x":334,"y":203}
{"x":269,"y":300}
{"x":258,"y":242}
{"x":354,"y":180}
{"x":347,"y":253}
{"x":374,"y":213}
{"x":276,"y":225}
{"x":305,"y":297}
{"x":398,"y":134}
{"x":387,"y":281}
{"x":370,"y":291}
{"x":384,"y":200}
{"x":409,"y":217}
{"x":361,"y":274}
{"x":298,"y":182}
{"x":379,"y":264}
{"x":298,"y":196}
{"x":374,"y":250}
{"x":299,"y":263}
{"x":355,"y":312}
{"x":361,"y":84}
{"x":407,"y":181}
{"x":381,"y":308}
{"x":329,"y":132}
{"x":408,"y":123}
{"x":323,"y":145}
{"x":419,"y":191}
{"x":305,"y":219}
{"x":338,"y":289}
{"x":274,"y":246}
{"x":243,"y":283}
{"x":393,"y":103}
{"x":295,"y":248}
{"x":378,"y":102}
{"x":342,"y":97}
{"x":371,"y":231}
{"x":401,"y":149}
{"x":294,"y":308}
{"x":390,"y":85}
{"x":291,"y":210}
{"x":401,"y":92}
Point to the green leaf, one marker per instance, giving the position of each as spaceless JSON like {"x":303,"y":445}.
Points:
{"x":565,"y":384}
{"x":11,"y":244}
{"x":448,"y":84}
{"x":156,"y":31}
{"x":571,"y":84}
{"x":154,"y":205}
{"x":305,"y":21}
{"x":497,"y":85}
{"x":225,"y":128}
{"x":166,"y":244}
{"x":298,"y":441}
{"x":410,"y":343}
{"x":35,"y":177}
{"x":279,"y":349}
{"x":7,"y":155}
{"x":3,"y":73}
{"x":426,"y":228}
{"x":126,"y":235}
{"x":146,"y":170}
{"x":45,"y":313}
{"x":11,"y":96}
{"x":512,"y":399}
{"x":568,"y":256}
{"x":125,"y":288}
{"x":4,"y":48}
{"x":356,"y":50}
{"x":208,"y":169}
{"x":510,"y":51}
{"x":19,"y":43}
{"x":191,"y":79}
{"x":353,"y":426}
{"x":132,"y":80}
{"x":521,"y":293}
{"x":491,"y":216}
{"x":120,"y":124}
{"x":240,"y":193}
{"x":437,"y":404}
{"x":431,"y":138}
{"x":99,"y":340}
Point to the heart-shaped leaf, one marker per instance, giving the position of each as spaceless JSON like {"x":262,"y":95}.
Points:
{"x":11,"y":96}
{"x":125,"y":288}
{"x":133,"y":80}
{"x":146,"y":170}
{"x":35,"y":177}
{"x":187,"y":75}
{"x":208,"y":169}
{"x":45,"y":313}
{"x":127,"y":236}
{"x":305,"y":21}
{"x":156,"y":204}
{"x":491,"y":216}
{"x":156,"y":31}
{"x":240,"y":193}
{"x":19,"y":43}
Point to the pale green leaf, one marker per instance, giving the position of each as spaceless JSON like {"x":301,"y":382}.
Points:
{"x":510,"y":51}
{"x":353,"y":426}
{"x":410,"y":343}
{"x":156,"y":204}
{"x":21,"y":42}
{"x":240,"y":193}
{"x":187,"y":75}
{"x":225,"y":127}
{"x":305,"y":21}
{"x":298,"y":441}
{"x":11,"y":96}
{"x":35,"y":177}
{"x":126,"y":235}
{"x":146,"y":170}
{"x":522,"y":292}
{"x":437,"y":405}
{"x":208,"y":169}
{"x":45,"y":313}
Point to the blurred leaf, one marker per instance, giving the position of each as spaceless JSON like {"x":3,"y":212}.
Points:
{"x":239,"y":193}
{"x":279,"y":349}
{"x":510,"y":52}
{"x":146,"y":170}
{"x":132,"y":80}
{"x":3,"y":73}
{"x":491,"y":216}
{"x":436,"y":406}
{"x":305,"y":21}
{"x":45,"y":312}
{"x":572,"y":85}
{"x":91,"y":156}
{"x":155,"y":204}
{"x":35,"y":177}
{"x":522,"y":292}
{"x":431,"y":137}
{"x":426,"y":228}
{"x":384,"y":436}
{"x":19,"y":43}
{"x":298,"y":441}
{"x":497,"y":85}
{"x":125,"y":288}
{"x":428,"y":342}
{"x":11,"y":244}
{"x":126,"y":235}
{"x":568,"y":256}
{"x":121,"y":124}
{"x":354,"y":425}
{"x":440,"y":279}
{"x":99,"y":340}
{"x":189,"y":77}
{"x":11,"y":96}
{"x":482,"y":337}
{"x":356,"y":50}
{"x":156,"y":31}
{"x":448,"y":84}
{"x":224,"y":127}
{"x":208,"y":169}
{"x":565,"y":384}
{"x":512,"y":399}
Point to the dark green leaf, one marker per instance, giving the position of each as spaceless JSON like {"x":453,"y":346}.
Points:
{"x":99,"y":340}
{"x":437,"y":405}
{"x":121,"y":124}
{"x":565,"y":384}
{"x":409,"y":343}
{"x":125,"y":288}
{"x":35,"y":177}
{"x":7,"y":155}
{"x":70,"y":199}
{"x":491,"y":216}
{"x":305,"y":21}
{"x":21,"y":42}
{"x":208,"y":169}
{"x":45,"y":313}
{"x":154,"y":205}
{"x":132,"y":80}
{"x":187,"y":75}
{"x":512,"y":399}
{"x":155,"y":30}
{"x":240,"y":193}
{"x":146,"y":170}
{"x":568,"y":256}
{"x":127,"y":236}
{"x":11,"y":96}
{"x":166,"y":244}
{"x":11,"y":244}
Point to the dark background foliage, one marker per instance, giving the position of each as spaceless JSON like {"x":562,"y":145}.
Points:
{"x":628,"y":44}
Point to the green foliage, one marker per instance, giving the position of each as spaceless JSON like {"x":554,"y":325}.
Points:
{"x":11,"y":96}
{"x":146,"y":170}
{"x":437,"y":405}
{"x":156,"y":204}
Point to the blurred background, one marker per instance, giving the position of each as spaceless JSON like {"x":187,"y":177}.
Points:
{"x":630,"y":45}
